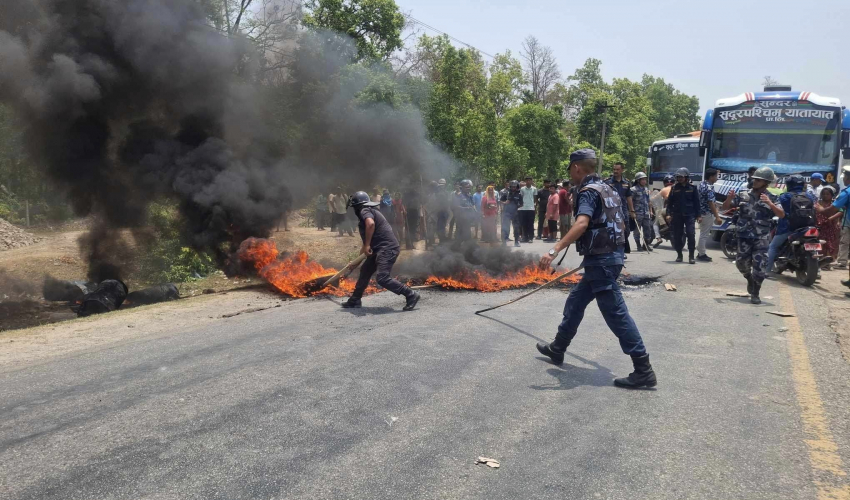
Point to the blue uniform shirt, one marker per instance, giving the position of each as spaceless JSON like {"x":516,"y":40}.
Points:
{"x":590,"y":204}
{"x":843,"y":201}
{"x":785,"y":201}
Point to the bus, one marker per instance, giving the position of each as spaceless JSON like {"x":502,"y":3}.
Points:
{"x":668,"y":155}
{"x":789,"y":131}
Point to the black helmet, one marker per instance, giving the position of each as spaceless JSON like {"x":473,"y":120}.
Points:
{"x":795,"y":182}
{"x":669,"y":179}
{"x":361,"y":199}
{"x":514,"y":184}
{"x":683,"y":172}
{"x":466,"y":183}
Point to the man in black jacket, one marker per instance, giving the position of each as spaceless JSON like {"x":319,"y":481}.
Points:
{"x":682,"y":212}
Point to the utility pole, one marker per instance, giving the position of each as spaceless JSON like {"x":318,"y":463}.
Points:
{"x":604,"y":108}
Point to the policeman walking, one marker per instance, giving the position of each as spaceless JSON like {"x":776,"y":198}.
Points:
{"x":682,"y":211}
{"x":756,"y":208}
{"x":382,"y":249}
{"x":599,"y":232}
{"x":463,"y":209}
{"x":643,"y":212}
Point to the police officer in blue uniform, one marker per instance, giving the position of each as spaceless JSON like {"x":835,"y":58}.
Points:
{"x":599,"y":232}
{"x":756,"y":208}
{"x":382,"y":249}
{"x":624,"y":189}
{"x":682,"y":212}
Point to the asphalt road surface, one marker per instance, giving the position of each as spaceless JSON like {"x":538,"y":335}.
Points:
{"x":309,"y":401}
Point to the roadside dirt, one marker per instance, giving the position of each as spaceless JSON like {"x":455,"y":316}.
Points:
{"x":839,"y":307}
{"x":25,"y":347}
{"x":57,"y":254}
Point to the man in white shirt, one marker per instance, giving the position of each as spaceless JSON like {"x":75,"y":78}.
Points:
{"x":816,"y":185}
{"x":527,"y":210}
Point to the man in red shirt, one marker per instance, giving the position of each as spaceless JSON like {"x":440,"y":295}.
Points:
{"x":565,"y":207}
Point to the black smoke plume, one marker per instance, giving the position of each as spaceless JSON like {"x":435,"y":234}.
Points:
{"x":128,"y":101}
{"x":456,"y":260}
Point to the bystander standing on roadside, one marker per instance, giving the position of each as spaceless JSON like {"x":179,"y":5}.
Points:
{"x":476,"y":202}
{"x":841,"y":202}
{"x":828,"y":226}
{"x":399,"y":221}
{"x":553,"y":215}
{"x":527,"y":210}
{"x":321,"y":211}
{"x":489,"y":212}
{"x":708,"y":212}
{"x":338,"y":204}
{"x":816,"y":185}
{"x":542,"y":207}
{"x":565,"y":207}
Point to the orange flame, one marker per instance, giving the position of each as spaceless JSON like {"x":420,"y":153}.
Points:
{"x":292,"y":274}
{"x":483,"y":282}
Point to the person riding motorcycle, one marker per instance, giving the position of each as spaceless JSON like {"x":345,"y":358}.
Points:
{"x":795,"y":185}
{"x":756,"y":209}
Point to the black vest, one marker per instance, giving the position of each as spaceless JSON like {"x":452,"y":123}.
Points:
{"x":607,"y":230}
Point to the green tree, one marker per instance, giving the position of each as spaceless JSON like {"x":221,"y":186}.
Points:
{"x":676,"y":113}
{"x":460,"y":117}
{"x":506,"y":82}
{"x":374,"y":25}
{"x":538,"y":131}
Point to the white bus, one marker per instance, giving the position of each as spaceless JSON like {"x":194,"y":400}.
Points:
{"x":666,"y":156}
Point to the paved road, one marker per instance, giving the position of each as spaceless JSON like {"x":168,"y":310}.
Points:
{"x":308,"y":401}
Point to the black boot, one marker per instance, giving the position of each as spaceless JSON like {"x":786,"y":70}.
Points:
{"x":412,"y":300}
{"x":679,"y":257}
{"x":749,"y":283}
{"x":754,"y":296}
{"x":352,"y":303}
{"x":691,"y":258}
{"x":554,"y":351}
{"x":643,"y":376}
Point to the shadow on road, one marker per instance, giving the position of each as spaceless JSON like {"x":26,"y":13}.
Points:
{"x":570,"y":376}
{"x":370,"y":311}
{"x":512,"y":327}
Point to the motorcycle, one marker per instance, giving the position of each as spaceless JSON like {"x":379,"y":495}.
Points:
{"x":802,"y":253}
{"x":729,"y":238}
{"x":726,"y":234}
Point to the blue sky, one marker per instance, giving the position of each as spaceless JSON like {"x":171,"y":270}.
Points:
{"x":710,"y":49}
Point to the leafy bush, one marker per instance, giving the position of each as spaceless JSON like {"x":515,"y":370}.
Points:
{"x":168,"y":259}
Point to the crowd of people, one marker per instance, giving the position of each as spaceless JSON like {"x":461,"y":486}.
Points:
{"x":463,"y":213}
{"x":673,"y":212}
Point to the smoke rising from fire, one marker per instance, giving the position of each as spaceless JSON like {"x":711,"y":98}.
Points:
{"x":129,"y":101}
{"x":453,"y":260}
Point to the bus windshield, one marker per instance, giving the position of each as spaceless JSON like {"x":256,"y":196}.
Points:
{"x":670,"y":157}
{"x":789,"y":139}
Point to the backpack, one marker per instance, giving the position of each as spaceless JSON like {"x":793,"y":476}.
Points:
{"x":802,"y":212}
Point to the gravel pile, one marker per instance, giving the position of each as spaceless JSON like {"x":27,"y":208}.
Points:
{"x":14,"y":237}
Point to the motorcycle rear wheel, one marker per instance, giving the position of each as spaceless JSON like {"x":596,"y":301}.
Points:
{"x":729,"y":243}
{"x":808,"y":273}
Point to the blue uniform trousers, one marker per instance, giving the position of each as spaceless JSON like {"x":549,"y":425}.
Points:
{"x":600,"y":283}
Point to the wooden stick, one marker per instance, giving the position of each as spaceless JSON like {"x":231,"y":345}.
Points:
{"x":354,"y":264}
{"x":541,"y":287}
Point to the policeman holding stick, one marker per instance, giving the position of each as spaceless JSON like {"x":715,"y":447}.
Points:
{"x":599,"y":234}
